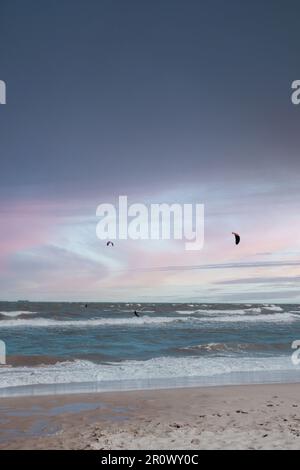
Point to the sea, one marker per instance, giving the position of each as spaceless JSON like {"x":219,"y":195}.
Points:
{"x":57,"y":348}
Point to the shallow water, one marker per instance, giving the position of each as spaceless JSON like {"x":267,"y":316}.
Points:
{"x":41,"y":420}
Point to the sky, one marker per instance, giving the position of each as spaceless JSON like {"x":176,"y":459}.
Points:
{"x":165,"y":101}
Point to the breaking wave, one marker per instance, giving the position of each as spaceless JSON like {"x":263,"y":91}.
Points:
{"x":80,"y":371}
{"x":145,"y":320}
{"x":17,"y":313}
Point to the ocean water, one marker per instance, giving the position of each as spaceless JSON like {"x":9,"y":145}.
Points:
{"x":65,"y":347}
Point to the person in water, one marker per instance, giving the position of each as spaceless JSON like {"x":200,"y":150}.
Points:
{"x":136,"y":314}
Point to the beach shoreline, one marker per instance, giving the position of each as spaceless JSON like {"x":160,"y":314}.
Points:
{"x":253,"y":416}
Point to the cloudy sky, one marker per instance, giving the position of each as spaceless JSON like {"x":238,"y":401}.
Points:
{"x":163,"y":101}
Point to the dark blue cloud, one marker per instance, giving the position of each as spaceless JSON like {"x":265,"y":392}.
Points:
{"x":112,"y":94}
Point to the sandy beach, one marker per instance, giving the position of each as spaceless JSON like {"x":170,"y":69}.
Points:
{"x":229,"y":417}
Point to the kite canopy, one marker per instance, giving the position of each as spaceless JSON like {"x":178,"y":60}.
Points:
{"x":237,"y":238}
{"x":109,"y":243}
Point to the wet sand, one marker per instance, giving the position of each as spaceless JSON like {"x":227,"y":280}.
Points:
{"x":227,"y":417}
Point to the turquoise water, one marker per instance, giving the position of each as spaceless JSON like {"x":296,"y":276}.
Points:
{"x":105,"y":344}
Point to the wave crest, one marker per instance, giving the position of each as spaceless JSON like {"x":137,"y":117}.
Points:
{"x":17,"y":313}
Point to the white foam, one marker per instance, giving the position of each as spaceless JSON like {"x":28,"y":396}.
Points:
{"x":17,"y":313}
{"x":222,"y":312}
{"x":213,"y":312}
{"x":285,"y":317}
{"x":81,"y":371}
{"x":186,"y":312}
{"x":234,"y":347}
{"x":274,"y":308}
{"x":133,"y":321}
{"x":50,"y":323}
{"x":205,"y":347}
{"x":253,"y":310}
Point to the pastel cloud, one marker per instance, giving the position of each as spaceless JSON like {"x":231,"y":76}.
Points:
{"x":49,"y":250}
